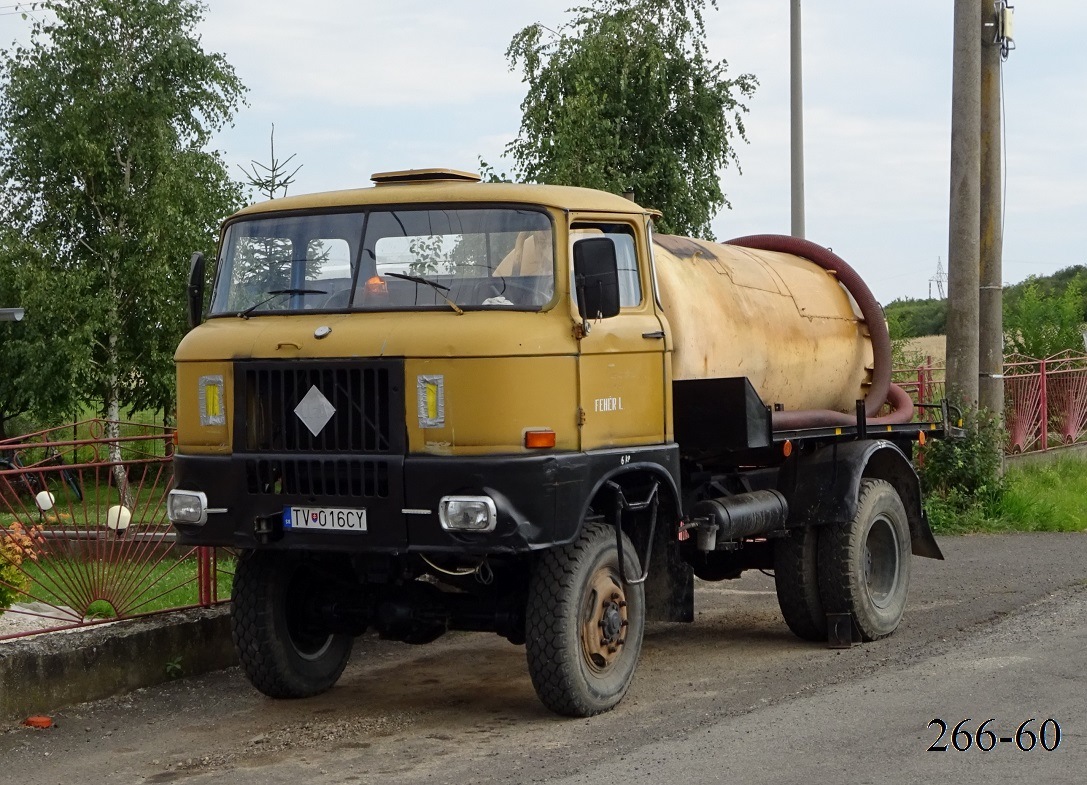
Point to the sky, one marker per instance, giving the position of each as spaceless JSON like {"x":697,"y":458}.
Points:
{"x":356,"y":86}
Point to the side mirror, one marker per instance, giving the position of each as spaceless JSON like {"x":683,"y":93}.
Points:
{"x":196,"y":289}
{"x":596,"y":275}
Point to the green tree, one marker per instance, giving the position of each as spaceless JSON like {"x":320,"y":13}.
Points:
{"x":260,"y":260}
{"x":911,"y":318}
{"x":38,"y":358}
{"x":272,"y":177}
{"x":1037,"y":325}
{"x":624,"y":98}
{"x":105,"y":121}
{"x":1050,"y":287}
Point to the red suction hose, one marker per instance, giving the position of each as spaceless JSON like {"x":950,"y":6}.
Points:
{"x":881,"y":390}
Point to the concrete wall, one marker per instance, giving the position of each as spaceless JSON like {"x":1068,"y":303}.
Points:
{"x":47,"y":671}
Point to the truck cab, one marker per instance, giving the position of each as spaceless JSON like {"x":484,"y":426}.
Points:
{"x":370,"y":353}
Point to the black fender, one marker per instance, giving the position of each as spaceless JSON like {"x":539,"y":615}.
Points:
{"x":828,"y":487}
{"x":669,"y":588}
{"x":637,"y":471}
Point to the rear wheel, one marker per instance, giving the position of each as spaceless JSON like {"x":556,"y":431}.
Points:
{"x":797,"y":582}
{"x":584,"y":627}
{"x":283,"y":648}
{"x":864,"y":564}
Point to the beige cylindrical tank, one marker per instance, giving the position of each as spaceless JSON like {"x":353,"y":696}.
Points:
{"x":780,"y":320}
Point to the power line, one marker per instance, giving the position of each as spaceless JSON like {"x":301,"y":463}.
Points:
{"x":24,"y":9}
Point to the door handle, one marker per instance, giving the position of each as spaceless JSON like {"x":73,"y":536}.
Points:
{"x":655,"y":334}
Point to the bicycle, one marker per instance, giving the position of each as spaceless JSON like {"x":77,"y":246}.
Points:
{"x":34,"y":483}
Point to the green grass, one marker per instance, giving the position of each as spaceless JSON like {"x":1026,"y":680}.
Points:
{"x":1038,"y":497}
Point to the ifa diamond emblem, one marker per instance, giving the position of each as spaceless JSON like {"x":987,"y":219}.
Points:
{"x":314,"y":410}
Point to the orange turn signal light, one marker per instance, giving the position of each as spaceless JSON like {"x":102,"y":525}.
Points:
{"x":540,"y":439}
{"x":787,"y":448}
{"x":921,"y":438}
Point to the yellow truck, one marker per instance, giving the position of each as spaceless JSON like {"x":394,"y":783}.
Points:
{"x":439,"y":404}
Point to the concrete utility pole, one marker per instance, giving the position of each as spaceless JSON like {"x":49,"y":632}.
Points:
{"x":963,"y":257}
{"x":796,"y":105}
{"x":991,"y":319}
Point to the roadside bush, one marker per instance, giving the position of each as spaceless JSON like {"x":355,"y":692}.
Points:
{"x":962,"y":478}
{"x":16,"y":545}
{"x":903,"y":356}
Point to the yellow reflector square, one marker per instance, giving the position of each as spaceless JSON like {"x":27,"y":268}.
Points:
{"x":430,"y":400}
{"x":210,"y":393}
{"x":211,"y":398}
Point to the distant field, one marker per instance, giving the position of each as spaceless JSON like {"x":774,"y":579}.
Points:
{"x":933,"y":346}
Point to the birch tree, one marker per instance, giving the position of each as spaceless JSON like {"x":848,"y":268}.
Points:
{"x":624,"y":96}
{"x":105,"y":122}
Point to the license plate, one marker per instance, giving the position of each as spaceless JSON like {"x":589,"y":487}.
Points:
{"x":333,"y":519}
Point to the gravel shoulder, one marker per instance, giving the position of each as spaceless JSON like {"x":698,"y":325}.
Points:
{"x":462,"y":710}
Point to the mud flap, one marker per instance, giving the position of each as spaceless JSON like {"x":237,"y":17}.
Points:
{"x":922,"y":539}
{"x":669,"y":589}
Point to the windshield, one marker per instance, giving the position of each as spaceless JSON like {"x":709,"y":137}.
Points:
{"x":380,"y":260}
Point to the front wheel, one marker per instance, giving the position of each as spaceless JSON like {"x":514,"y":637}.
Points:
{"x":864,"y":564}
{"x":584,"y":627}
{"x":283,"y":649}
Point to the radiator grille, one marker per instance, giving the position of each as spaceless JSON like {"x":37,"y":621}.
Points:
{"x":366,"y":399}
{"x":338,"y":477}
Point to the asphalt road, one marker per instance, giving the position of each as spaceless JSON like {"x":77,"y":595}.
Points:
{"x":996,"y":631}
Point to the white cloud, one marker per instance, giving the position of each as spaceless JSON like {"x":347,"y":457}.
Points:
{"x":370,"y":55}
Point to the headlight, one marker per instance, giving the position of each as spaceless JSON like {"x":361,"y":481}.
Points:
{"x":187,"y":507}
{"x":467,"y":513}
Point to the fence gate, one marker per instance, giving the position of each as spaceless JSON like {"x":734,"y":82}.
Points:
{"x":84,"y":536}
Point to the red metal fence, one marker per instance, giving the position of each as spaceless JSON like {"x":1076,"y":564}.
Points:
{"x":84,"y":537}
{"x":1045,"y":400}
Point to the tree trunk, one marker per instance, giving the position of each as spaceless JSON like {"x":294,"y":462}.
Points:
{"x":113,"y":410}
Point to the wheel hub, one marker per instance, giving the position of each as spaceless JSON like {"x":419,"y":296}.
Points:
{"x":881,"y":567}
{"x":604,"y":620}
{"x":612,"y":621}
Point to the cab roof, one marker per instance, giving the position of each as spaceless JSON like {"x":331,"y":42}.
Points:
{"x":449,"y":185}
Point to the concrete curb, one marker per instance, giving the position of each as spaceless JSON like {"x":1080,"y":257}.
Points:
{"x":45,"y":672}
{"x":1036,"y":457}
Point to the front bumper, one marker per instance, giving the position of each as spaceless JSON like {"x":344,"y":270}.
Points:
{"x":540,"y":500}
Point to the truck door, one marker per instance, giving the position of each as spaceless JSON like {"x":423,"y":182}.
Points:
{"x":622,"y":359}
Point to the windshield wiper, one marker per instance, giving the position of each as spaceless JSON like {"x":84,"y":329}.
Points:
{"x":274,"y":293}
{"x":441,"y":290}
